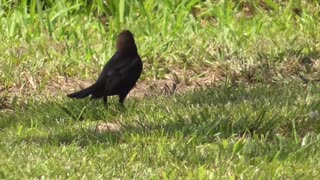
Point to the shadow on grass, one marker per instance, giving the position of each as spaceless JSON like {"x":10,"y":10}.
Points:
{"x":228,"y":111}
{"x":206,"y":113}
{"x":208,"y":130}
{"x":59,"y":122}
{"x":82,"y":138}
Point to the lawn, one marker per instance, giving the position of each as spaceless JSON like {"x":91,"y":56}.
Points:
{"x":229,"y":90}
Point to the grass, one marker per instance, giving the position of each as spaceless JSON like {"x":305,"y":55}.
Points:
{"x":258,"y":118}
{"x":187,"y":36}
{"x":244,"y":132}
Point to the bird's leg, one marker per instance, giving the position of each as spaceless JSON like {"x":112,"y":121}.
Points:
{"x":122,"y":98}
{"x":105,"y":100}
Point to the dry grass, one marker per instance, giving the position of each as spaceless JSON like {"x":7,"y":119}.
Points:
{"x":175,"y":81}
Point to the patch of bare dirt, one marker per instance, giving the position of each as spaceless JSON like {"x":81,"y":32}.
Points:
{"x":173,"y":83}
{"x":176,"y":81}
{"x":102,"y":128}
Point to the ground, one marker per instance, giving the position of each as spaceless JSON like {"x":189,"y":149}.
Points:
{"x":229,"y":90}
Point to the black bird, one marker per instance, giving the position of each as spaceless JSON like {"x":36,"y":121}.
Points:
{"x":119,"y":75}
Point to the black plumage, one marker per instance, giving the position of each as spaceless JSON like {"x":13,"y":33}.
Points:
{"x":119,"y":75}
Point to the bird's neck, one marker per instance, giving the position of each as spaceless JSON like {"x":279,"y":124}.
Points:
{"x":128,"y":51}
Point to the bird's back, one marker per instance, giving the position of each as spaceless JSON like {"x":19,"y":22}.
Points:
{"x":119,"y":75}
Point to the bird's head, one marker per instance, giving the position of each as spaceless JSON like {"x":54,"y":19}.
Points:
{"x":125,"y":42}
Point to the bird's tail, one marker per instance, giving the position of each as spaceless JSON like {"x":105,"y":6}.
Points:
{"x":83,"y":93}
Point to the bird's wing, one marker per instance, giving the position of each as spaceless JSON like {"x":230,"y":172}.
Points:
{"x":118,"y":63}
{"x":113,"y":73}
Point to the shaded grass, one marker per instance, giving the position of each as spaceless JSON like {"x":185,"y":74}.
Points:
{"x":246,"y":132}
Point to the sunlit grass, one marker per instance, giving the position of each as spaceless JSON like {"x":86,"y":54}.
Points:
{"x":70,"y":39}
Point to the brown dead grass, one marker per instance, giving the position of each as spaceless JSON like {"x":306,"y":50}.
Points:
{"x":176,"y":81}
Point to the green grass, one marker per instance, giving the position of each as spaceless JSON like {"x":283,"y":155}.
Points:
{"x":258,"y":120}
{"x":68,"y":39}
{"x":244,"y":132}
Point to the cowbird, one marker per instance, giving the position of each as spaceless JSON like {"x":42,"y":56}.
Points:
{"x":119,"y":75}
